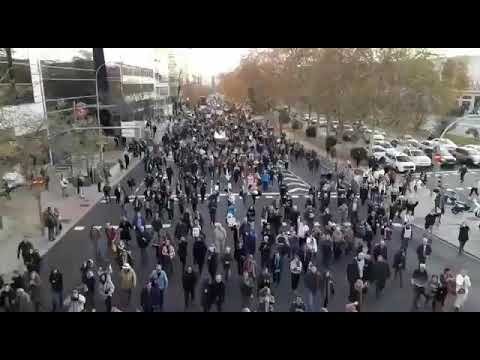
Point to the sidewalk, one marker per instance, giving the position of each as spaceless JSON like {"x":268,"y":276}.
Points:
{"x":449,"y":228}
{"x":72,"y":209}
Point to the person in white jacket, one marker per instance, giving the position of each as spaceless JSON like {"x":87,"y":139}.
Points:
{"x":106,"y":289}
{"x":75,"y":302}
{"x":463,"y":288}
{"x":220,"y":236}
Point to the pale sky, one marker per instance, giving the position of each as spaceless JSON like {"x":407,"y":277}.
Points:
{"x":205,"y":61}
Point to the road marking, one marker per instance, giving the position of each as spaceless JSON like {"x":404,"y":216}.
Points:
{"x":103,"y":201}
{"x":148,"y":226}
{"x":397,"y":224}
{"x":269,"y":197}
{"x":97,"y":227}
{"x":295,"y":196}
{"x":449,"y":189}
{"x":333,"y":196}
{"x":79,"y":228}
{"x":166,"y":226}
{"x":296,"y":189}
{"x":459,"y":188}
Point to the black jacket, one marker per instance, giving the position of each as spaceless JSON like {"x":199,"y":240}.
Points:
{"x":353,"y":273}
{"x":463,"y":233}
{"x":23,"y":248}
{"x":56,"y":281}
{"x":422,"y":256}
{"x":189,"y":280}
{"x":182,"y":250}
{"x":199,"y":251}
{"x":378,"y":250}
{"x":218,"y":292}
{"x":381,"y":271}
{"x":399,"y":260}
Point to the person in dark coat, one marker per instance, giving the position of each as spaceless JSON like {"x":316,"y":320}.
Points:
{"x":125,"y":227}
{"x":199,"y":252}
{"x":189,"y":282}
{"x":207,"y":294}
{"x":358,"y":269}
{"x":380,"y":249}
{"x":24,"y":249}
{"x":127,"y":160}
{"x":463,"y":236}
{"x":146,"y":298}
{"x":399,"y":264}
{"x":423,"y":251}
{"x":212,"y":261}
{"x":419,"y":282}
{"x":381,"y":272}
{"x":56,"y":283}
{"x":218,"y":294}
{"x":182,"y":252}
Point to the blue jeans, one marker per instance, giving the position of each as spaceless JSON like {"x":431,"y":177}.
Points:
{"x":313,"y":300}
{"x":57,"y":301}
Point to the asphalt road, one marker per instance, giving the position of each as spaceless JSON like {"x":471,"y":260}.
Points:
{"x":75,"y":248}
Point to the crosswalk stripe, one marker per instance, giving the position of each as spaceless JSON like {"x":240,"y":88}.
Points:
{"x":79,"y":228}
{"x":459,"y":188}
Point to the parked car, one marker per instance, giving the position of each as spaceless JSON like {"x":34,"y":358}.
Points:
{"x":378,"y":137}
{"x":472,"y":146}
{"x":447,"y":143}
{"x":467,"y":155}
{"x":378,"y":153}
{"x":412,"y":143}
{"x":444,"y":157}
{"x":400,"y":162}
{"x":14,"y":180}
{"x":389,"y":149}
{"x":418,"y":157}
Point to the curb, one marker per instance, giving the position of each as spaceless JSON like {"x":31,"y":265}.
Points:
{"x":448,"y":243}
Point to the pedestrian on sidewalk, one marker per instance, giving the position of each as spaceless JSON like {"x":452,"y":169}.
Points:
{"x":56,"y":284}
{"x":463,"y":288}
{"x":475,"y":189}
{"x":75,"y":302}
{"x":106,"y":192}
{"x":127,"y":159}
{"x":463,"y":236}
{"x":58,"y":221}
{"x":118,"y":194}
{"x":50,"y":223}
{"x":462,"y":171}
{"x":24,"y":249}
{"x":80,"y":185}
{"x":63,"y":185}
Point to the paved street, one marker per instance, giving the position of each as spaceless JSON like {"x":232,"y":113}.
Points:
{"x":75,"y":248}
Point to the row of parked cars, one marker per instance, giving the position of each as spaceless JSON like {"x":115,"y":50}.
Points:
{"x":408,"y":154}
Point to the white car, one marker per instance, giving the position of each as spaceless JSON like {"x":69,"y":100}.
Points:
{"x":378,"y":152}
{"x":412,"y":143}
{"x":471,"y":146}
{"x":14,"y":179}
{"x":389,"y":149}
{"x":419,"y":158}
{"x":449,"y":144}
{"x":400,"y":162}
{"x":378,"y":137}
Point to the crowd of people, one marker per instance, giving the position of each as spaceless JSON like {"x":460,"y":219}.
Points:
{"x":192,"y":169}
